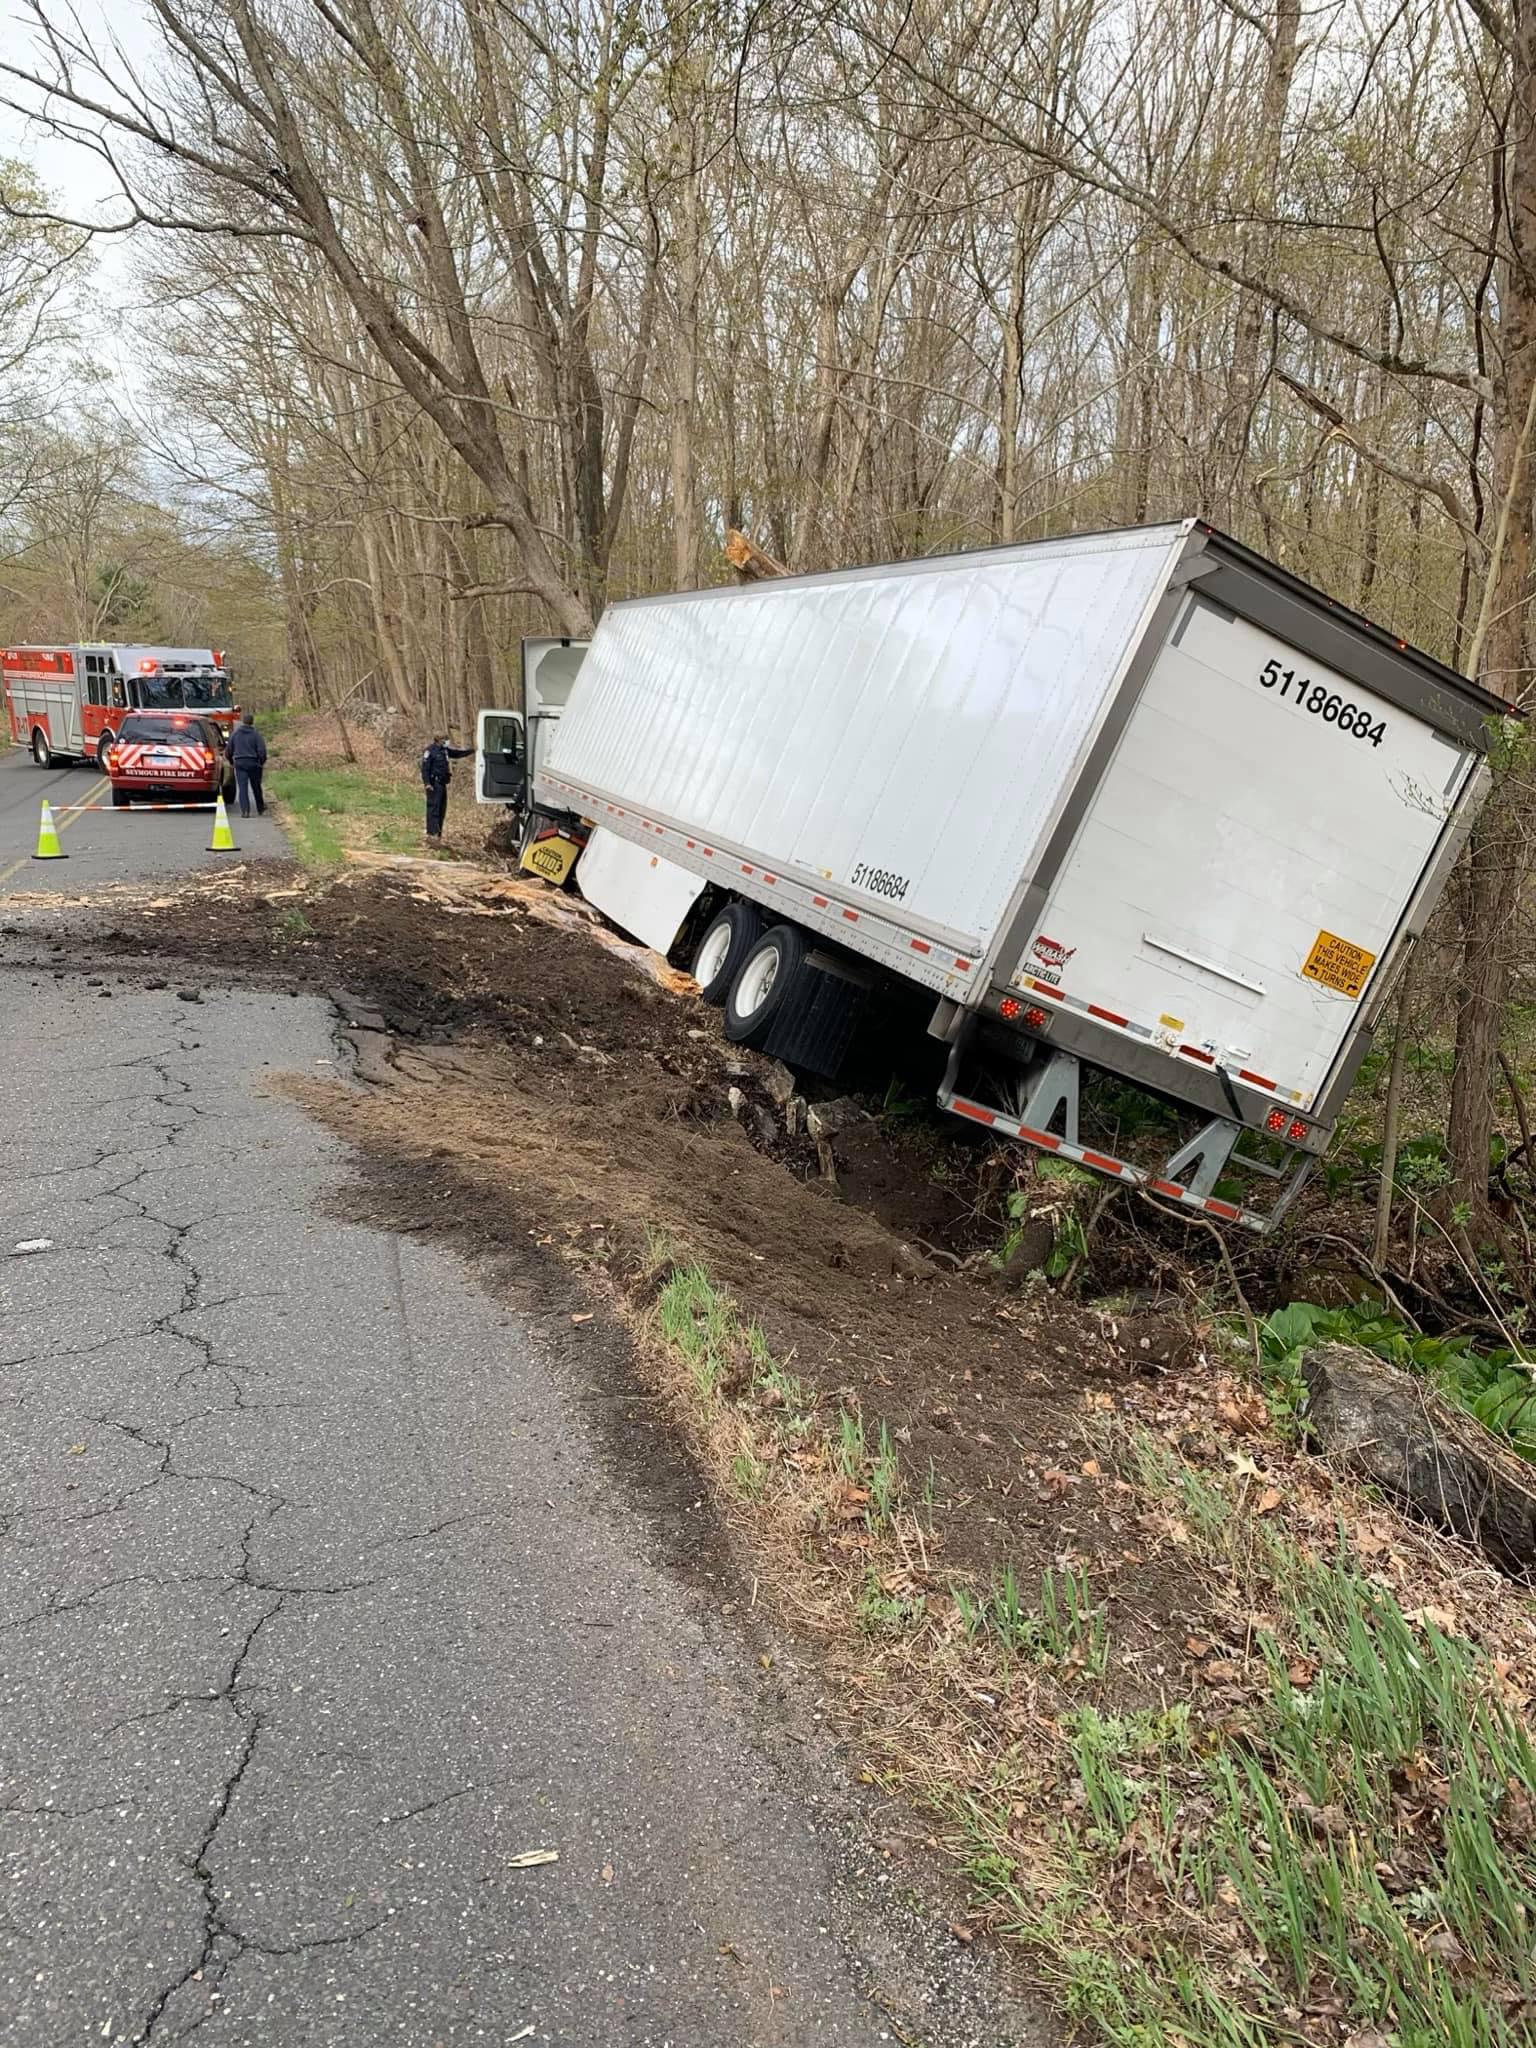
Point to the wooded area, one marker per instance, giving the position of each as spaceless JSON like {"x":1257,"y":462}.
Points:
{"x":475,"y":315}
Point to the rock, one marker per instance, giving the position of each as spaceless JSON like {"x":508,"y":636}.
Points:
{"x":794,"y":1115}
{"x":1393,"y":1429}
{"x":826,"y":1162}
{"x":826,"y":1119}
{"x":189,"y":995}
{"x":767,"y":1124}
{"x":736,"y":1099}
{"x":779,"y":1082}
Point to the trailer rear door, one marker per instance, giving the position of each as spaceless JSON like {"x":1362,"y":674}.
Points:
{"x":1243,"y":866}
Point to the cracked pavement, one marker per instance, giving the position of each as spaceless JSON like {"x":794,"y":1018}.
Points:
{"x":319,"y":1607}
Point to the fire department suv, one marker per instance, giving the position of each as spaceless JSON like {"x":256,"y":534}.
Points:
{"x":68,"y":703}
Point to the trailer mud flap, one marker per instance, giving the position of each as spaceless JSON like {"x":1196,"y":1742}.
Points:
{"x":814,"y":1030}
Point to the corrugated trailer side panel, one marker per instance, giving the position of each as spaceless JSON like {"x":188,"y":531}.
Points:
{"x":906,"y":735}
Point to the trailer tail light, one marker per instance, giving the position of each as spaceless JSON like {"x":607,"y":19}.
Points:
{"x":1298,"y":1130}
{"x":1275,"y":1122}
{"x":1009,"y":1007}
{"x":1035,"y":1019}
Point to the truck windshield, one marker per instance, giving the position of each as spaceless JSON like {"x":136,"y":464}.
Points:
{"x":207,"y":686}
{"x":165,"y":689}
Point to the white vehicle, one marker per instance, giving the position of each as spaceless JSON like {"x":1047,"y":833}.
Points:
{"x":1139,"y":802}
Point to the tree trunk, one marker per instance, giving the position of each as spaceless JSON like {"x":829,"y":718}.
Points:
{"x":1500,"y":654}
{"x":1248,"y":329}
{"x":685,"y":380}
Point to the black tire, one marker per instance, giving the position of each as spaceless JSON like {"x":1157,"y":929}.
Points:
{"x":102,"y":746}
{"x":766,"y":979}
{"x":737,"y":929}
{"x":120,"y":799}
{"x":42,"y":753}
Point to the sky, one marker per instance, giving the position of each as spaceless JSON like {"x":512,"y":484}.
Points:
{"x":73,"y":176}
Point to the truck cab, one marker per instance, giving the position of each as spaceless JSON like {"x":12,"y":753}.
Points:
{"x":509,"y":743}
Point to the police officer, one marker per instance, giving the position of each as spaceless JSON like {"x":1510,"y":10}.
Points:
{"x":436,"y":776}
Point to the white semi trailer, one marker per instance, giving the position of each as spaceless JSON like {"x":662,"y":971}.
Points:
{"x":1139,"y":801}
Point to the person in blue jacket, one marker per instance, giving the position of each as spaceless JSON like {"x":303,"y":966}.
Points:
{"x":248,"y":751}
{"x":436,"y":776}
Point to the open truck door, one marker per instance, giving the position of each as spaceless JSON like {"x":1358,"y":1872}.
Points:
{"x":501,"y":759}
{"x":508,"y":743}
{"x":508,"y":746}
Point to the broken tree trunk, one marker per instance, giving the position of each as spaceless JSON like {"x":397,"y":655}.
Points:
{"x":751,"y":563}
{"x":1391,"y":1428}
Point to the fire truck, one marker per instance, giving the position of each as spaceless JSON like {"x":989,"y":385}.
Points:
{"x":67,"y":703}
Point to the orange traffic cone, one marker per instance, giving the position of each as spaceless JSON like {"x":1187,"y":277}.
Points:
{"x":48,"y":847}
{"x":223,"y":840}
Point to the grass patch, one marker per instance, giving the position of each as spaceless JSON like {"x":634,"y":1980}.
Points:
{"x":325,"y":810}
{"x":779,"y":1441}
{"x":886,"y":1607}
{"x":1065,"y":1628}
{"x":699,"y":1323}
{"x":1353,"y":1844}
{"x":1321,"y":1830}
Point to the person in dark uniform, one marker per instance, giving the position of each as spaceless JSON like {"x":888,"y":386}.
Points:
{"x":436,"y":776}
{"x":248,"y":751}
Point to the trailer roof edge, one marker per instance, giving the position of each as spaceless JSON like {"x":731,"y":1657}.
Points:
{"x":1248,"y":562}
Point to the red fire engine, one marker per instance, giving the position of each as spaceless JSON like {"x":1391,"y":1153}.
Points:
{"x":67,"y":703}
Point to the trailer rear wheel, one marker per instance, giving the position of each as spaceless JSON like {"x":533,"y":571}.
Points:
{"x":729,"y":937}
{"x":764,"y":982}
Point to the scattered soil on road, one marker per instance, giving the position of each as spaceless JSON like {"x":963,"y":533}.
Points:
{"x":543,"y":1090}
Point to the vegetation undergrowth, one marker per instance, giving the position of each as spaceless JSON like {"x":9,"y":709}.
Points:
{"x":1340,"y":1847}
{"x":777,"y":1424}
{"x":1498,"y":1386}
{"x":1322,"y":1830}
{"x":324,"y":810}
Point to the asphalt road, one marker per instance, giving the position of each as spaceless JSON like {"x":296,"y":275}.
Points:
{"x":102,"y":845}
{"x":322,"y":1605}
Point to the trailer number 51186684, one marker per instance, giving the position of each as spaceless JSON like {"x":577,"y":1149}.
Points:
{"x":1327,"y":705}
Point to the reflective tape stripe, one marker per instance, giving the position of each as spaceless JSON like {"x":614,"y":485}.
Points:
{"x":1103,"y":1015}
{"x":1103,"y":1162}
